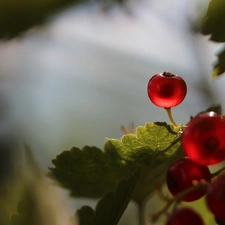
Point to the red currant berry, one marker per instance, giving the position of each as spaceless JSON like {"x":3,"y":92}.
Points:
{"x":215,"y":198}
{"x":184,"y":216}
{"x":181,"y":174}
{"x":204,"y":139}
{"x":166,"y":90}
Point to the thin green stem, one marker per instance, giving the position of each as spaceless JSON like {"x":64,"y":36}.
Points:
{"x":169,"y":113}
{"x":217,"y":172}
{"x":177,"y":198}
{"x":141,"y":212}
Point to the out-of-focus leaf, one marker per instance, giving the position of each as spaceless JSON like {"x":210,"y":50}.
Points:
{"x":86,"y":215}
{"x":112,"y":205}
{"x":214,"y":22}
{"x":19,"y":16}
{"x":215,"y":108}
{"x":25,"y":216}
{"x":39,"y":204}
{"x":219,"y":66}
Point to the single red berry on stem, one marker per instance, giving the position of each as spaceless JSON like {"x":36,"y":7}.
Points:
{"x":204,"y":139}
{"x":181,"y":174}
{"x":166,"y":90}
{"x":215,"y":197}
{"x":184,"y":216}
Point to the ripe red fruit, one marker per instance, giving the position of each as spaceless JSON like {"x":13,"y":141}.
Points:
{"x":181,"y":174}
{"x":215,"y":198}
{"x":184,"y":216}
{"x":204,"y":139}
{"x":166,"y":90}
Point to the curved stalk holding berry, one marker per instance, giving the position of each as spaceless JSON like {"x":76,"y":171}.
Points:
{"x":167,"y":90}
{"x":177,"y":199}
{"x":169,"y":113}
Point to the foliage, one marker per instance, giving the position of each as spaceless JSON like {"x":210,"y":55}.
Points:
{"x":153,"y":148}
{"x":17,"y":17}
{"x":112,"y":205}
{"x":25,"y":214}
{"x":91,"y":172}
{"x":219,"y":65}
{"x":125,"y":169}
{"x":215,"y":108}
{"x":214,"y":22}
{"x":213,"y":25}
{"x":33,"y":202}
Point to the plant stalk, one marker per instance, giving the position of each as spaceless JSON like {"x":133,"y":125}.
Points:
{"x":141,"y":212}
{"x":169,"y":113}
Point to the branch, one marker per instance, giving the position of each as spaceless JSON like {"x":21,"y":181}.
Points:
{"x":169,"y":201}
{"x":217,"y":172}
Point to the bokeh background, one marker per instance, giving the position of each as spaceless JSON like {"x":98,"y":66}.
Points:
{"x":75,"y":79}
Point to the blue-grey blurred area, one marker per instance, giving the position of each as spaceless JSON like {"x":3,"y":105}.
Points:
{"x":78,"y":78}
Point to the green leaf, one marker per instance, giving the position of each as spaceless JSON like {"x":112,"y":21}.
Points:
{"x":112,"y":205}
{"x":154,"y":141}
{"x":17,"y":17}
{"x":217,"y":108}
{"x":154,"y":147}
{"x":89,"y":172}
{"x":25,"y":214}
{"x":86,"y":215}
{"x":214,"y":22}
{"x":219,"y":65}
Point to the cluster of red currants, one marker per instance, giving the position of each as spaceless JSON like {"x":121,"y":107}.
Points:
{"x":203,"y":142}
